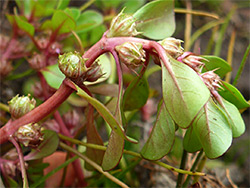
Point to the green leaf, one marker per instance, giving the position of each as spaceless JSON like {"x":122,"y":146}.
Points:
{"x":35,"y":168}
{"x":132,"y":6}
{"x":234,"y":118}
{"x":183,"y":91}
{"x":156,"y":19}
{"x":105,"y":89}
{"x":213,"y":130}
{"x":73,"y":12}
{"x":93,"y":137}
{"x":46,"y":148}
{"x":162,"y":136}
{"x":191,"y":142}
{"x":62,"y":22}
{"x":22,"y":23}
{"x":53,"y":75}
{"x":105,"y":113}
{"x":218,"y":63}
{"x":62,"y":4}
{"x":12,"y":182}
{"x":232,"y":94}
{"x":88,"y":20}
{"x":108,"y":4}
{"x":136,"y":95}
{"x":114,"y":151}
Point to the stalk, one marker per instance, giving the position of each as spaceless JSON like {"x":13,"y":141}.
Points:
{"x":182,"y":166}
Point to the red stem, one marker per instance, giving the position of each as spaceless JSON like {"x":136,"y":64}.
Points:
{"x":39,"y":112}
{"x":21,"y":159}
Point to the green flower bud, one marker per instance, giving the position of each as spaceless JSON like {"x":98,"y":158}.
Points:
{"x":29,"y":135}
{"x":172,"y":46}
{"x":94,"y":72}
{"x":21,"y":105}
{"x":123,"y":25}
{"x":72,"y":64}
{"x":131,"y":54}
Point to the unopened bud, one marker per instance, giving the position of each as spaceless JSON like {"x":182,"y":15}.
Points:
{"x":29,"y":135}
{"x":71,"y":119}
{"x":37,"y":61}
{"x":172,"y":46}
{"x":123,"y":25}
{"x":211,"y":80}
{"x":131,"y":54}
{"x":72,"y":65}
{"x":4,"y":40}
{"x":192,"y":60}
{"x":21,"y":105}
{"x":5,"y":68}
{"x":52,"y":125}
{"x":94,"y":72}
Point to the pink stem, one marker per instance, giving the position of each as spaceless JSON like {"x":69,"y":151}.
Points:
{"x":39,"y":112}
{"x":21,"y":159}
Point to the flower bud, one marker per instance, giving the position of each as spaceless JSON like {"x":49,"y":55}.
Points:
{"x":123,"y":25}
{"x":29,"y":135}
{"x":9,"y":168}
{"x":72,"y":65}
{"x":172,"y":46}
{"x":192,"y":60}
{"x":94,"y":72}
{"x":5,"y":68}
{"x":52,"y":125}
{"x":37,"y":61}
{"x":21,"y":105}
{"x":211,"y":80}
{"x":131,"y":54}
{"x":71,"y":119}
{"x":4,"y":40}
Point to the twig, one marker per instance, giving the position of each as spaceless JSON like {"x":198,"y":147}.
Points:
{"x":182,"y":166}
{"x":230,"y":54}
{"x":188,"y":28}
{"x":92,"y":163}
{"x":229,"y":179}
{"x":242,"y":65}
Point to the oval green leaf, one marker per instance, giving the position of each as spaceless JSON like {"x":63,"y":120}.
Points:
{"x":62,"y":22}
{"x":218,"y":63}
{"x":46,"y":148}
{"x":53,"y":75}
{"x":88,"y":20}
{"x":213,"y":130}
{"x":156,"y":19}
{"x":191,"y":142}
{"x":114,"y":152}
{"x":234,"y":118}
{"x":232,"y":94}
{"x":183,"y":91}
{"x":162,"y":136}
{"x":136,"y":95}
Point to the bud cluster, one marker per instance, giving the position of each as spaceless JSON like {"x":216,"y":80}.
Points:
{"x":73,"y":66}
{"x":37,"y":61}
{"x":192,"y":60}
{"x":123,"y":25}
{"x":19,"y":106}
{"x":131,"y":54}
{"x":211,"y":79}
{"x":5,"y":68}
{"x":29,"y":135}
{"x":172,"y":46}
